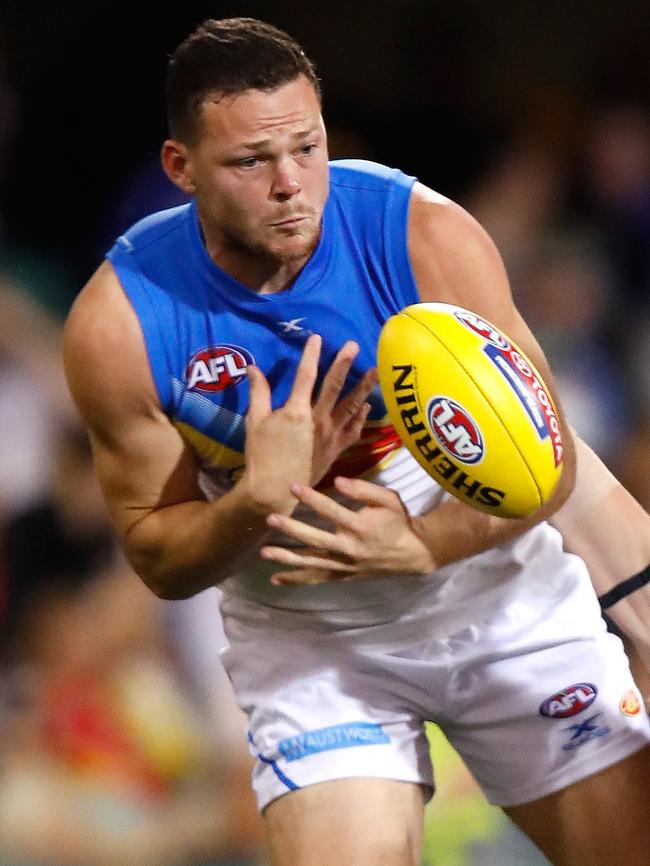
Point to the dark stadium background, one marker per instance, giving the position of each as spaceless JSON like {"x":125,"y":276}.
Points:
{"x":119,"y":743}
{"x":435,"y":86}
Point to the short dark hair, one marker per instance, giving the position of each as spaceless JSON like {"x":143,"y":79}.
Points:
{"x":229,"y":55}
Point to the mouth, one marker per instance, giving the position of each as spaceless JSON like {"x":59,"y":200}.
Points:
{"x":290,"y":223}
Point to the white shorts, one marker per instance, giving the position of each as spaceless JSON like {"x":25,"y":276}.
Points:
{"x":532,"y":701}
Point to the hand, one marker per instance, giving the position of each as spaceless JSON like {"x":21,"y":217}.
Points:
{"x":298,"y":442}
{"x":337,"y":425}
{"x":280,"y":443}
{"x":371,"y":542}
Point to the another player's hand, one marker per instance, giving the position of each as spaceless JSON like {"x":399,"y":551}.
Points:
{"x":370,"y":542}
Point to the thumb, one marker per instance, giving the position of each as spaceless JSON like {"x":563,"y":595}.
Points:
{"x":259,"y":401}
{"x":367,"y":492}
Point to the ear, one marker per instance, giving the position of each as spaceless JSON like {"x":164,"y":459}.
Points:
{"x":177,"y":164}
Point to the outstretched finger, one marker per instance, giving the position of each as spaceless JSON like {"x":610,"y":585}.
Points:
{"x":307,"y":372}
{"x":325,"y":506}
{"x":307,"y":577}
{"x":335,"y":377}
{"x":259,"y":401}
{"x":352,"y":402}
{"x":354,"y":426}
{"x":305,"y":558}
{"x":367,"y":492}
{"x":309,"y":535}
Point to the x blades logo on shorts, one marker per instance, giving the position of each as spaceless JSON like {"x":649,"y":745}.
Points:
{"x":216,"y":367}
{"x":585,"y":732}
{"x":455,"y":430}
{"x":569,"y":702}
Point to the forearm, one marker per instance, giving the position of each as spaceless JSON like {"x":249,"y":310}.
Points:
{"x":182,"y":549}
{"x":603,"y":523}
{"x":454,"y":530}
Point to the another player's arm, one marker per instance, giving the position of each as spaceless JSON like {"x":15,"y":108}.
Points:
{"x":455,"y":261}
{"x":178,"y":542}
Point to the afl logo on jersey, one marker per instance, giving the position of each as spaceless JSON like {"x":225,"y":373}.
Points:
{"x":570,"y":701}
{"x":457,"y":433}
{"x":482,"y":328}
{"x":217,"y":367}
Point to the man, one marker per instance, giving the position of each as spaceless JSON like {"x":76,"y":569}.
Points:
{"x":479,"y":623}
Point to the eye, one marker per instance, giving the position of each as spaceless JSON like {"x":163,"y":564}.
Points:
{"x":248,"y":162}
{"x":307,"y":149}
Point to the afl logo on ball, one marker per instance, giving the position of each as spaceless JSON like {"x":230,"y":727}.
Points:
{"x":570,"y":701}
{"x":455,"y":430}
{"x":216,"y":367}
{"x":482,"y":328}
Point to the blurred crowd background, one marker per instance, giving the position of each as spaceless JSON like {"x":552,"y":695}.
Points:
{"x":119,"y":739}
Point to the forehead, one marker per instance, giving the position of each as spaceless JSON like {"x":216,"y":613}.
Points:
{"x":254,"y":114}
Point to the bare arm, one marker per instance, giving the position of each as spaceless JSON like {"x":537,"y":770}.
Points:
{"x":455,"y":261}
{"x":603,"y":523}
{"x":178,"y":542}
{"x":607,"y":527}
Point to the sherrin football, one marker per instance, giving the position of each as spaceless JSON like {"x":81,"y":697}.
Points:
{"x":471,"y":408}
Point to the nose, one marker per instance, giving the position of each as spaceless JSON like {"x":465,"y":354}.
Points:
{"x":285,"y":181}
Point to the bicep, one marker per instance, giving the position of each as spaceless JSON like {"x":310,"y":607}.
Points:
{"x":144,"y":466}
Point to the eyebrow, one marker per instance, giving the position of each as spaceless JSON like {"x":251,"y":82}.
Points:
{"x":264,"y":142}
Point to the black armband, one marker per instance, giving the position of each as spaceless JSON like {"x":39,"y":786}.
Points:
{"x":624,"y":588}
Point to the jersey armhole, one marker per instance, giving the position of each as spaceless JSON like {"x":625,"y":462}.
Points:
{"x":135,"y":288}
{"x":396,"y":240}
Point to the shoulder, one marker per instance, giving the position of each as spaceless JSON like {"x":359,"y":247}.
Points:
{"x":439,"y":219}
{"x":103,"y":350}
{"x":361,"y":174}
{"x":454,"y":260}
{"x":153,"y":228}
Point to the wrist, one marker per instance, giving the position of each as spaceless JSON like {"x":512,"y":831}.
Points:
{"x":424,"y":551}
{"x":264,"y":499}
{"x":418,"y":549}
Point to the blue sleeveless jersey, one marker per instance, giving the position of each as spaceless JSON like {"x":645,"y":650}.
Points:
{"x":202,"y":327}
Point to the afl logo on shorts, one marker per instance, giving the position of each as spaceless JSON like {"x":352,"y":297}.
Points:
{"x":217,"y":367}
{"x":455,"y":430}
{"x":570,"y":701}
{"x":482,"y":328}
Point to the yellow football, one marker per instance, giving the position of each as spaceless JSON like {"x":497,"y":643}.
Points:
{"x":471,"y":408}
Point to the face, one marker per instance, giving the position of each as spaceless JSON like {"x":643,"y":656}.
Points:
{"x":258,"y":172}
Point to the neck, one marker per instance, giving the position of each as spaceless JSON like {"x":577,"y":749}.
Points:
{"x":255,"y":268}
{"x":258,"y":271}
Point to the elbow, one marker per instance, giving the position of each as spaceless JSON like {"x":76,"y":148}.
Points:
{"x":167,"y":591}
{"x":166,"y":583}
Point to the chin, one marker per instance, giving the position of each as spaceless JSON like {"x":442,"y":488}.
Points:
{"x":295,"y":248}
